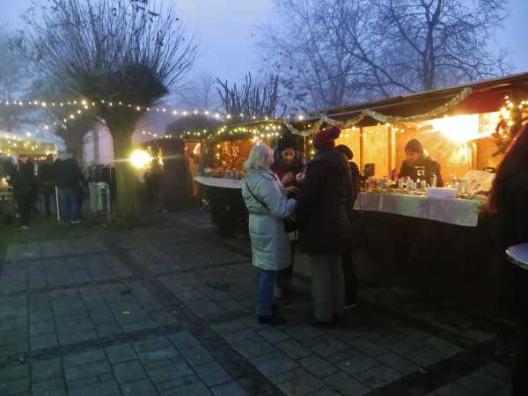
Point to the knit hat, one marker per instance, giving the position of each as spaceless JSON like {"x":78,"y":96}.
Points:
{"x":414,"y":146}
{"x":325,"y":138}
{"x":286,"y":142}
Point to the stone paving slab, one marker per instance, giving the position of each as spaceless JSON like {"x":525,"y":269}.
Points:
{"x":63,"y":317}
{"x":50,"y":273}
{"x":355,"y":358}
{"x":169,"y":311}
{"x":123,"y":368}
{"x":51,"y":249}
{"x":490,"y":380}
{"x":215,"y":292}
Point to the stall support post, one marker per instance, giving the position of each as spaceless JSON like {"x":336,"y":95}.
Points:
{"x":108,"y":204}
{"x":57,"y":202}
{"x":361,"y":149}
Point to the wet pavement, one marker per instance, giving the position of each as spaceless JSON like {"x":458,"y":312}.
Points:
{"x":168,"y":310}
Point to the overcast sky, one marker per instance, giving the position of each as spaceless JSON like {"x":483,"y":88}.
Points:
{"x":225,"y":31}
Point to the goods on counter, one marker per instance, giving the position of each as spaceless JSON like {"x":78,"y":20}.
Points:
{"x":442,"y":193}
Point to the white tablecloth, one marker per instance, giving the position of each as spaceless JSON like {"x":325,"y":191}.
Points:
{"x":218,"y":182}
{"x":462,"y":212}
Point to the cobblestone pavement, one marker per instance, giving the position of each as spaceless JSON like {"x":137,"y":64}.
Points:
{"x":169,"y":311}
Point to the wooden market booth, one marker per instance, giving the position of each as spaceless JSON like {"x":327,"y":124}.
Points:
{"x":444,"y":248}
{"x":215,"y":161}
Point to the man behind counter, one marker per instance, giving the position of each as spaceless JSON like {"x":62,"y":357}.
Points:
{"x":418,"y":166}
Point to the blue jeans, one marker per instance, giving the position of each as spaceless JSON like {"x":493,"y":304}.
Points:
{"x":265,"y":283}
{"x":68,"y":205}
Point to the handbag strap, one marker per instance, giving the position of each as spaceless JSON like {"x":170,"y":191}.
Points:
{"x":255,"y":197}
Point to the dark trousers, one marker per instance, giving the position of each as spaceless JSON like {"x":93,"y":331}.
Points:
{"x":48,"y":196}
{"x":351,"y":279}
{"x":24,"y":204}
{"x":265,"y":283}
{"x":285,"y":278}
{"x":327,"y":286}
{"x":68,"y":204}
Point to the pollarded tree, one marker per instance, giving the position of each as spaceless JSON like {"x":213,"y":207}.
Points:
{"x":14,"y":80}
{"x":117,"y":51}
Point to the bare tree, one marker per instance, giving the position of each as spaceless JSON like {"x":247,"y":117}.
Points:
{"x":14,"y":80}
{"x":426,"y":44}
{"x":315,"y":69}
{"x":199,"y":92}
{"x":124,"y":51}
{"x":252,"y":98}
{"x":348,"y":50}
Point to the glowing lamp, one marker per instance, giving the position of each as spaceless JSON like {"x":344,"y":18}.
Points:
{"x":140,"y":159}
{"x":458,"y":129}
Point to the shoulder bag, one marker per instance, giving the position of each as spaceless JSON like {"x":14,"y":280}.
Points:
{"x":290,"y":224}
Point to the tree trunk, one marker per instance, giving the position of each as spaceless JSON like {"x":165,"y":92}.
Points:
{"x":126,"y":180}
{"x":75,"y":144}
{"x":96,"y":149}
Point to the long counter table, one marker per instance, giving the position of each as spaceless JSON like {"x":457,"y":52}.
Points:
{"x":228,"y":212}
{"x":461,"y":212}
{"x":218,"y":182}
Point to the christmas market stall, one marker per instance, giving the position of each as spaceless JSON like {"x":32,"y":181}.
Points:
{"x":215,"y":160}
{"x":168,"y":184}
{"x":431,"y":233}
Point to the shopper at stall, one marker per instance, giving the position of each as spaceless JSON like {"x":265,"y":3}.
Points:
{"x":287,"y":161}
{"x":69,"y":180}
{"x":349,"y":269}
{"x":268,"y":205}
{"x":286,"y":165}
{"x":419,"y":166}
{"x":509,"y":201}
{"x":22,"y":179}
{"x":355,"y":174}
{"x":322,"y":217}
{"x":46,"y":183}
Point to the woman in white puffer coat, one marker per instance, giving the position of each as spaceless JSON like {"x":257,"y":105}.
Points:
{"x":268,"y":206}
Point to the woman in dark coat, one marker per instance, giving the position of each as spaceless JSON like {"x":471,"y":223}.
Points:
{"x":286,"y":165}
{"x":322,"y":218}
{"x":287,"y":161}
{"x":509,"y":201}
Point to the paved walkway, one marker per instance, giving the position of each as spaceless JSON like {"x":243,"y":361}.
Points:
{"x":169,"y":311}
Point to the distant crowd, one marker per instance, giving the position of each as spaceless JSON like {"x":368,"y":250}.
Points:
{"x":52,"y":186}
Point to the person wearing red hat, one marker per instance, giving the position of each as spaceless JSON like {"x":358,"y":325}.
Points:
{"x":322,"y":218}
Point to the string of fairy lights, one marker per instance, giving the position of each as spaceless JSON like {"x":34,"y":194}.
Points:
{"x":80,"y":106}
{"x":11,"y":144}
{"x":253,"y":127}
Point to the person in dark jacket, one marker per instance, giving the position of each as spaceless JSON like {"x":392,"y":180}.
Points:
{"x":419,"y":166}
{"x":355,"y":174}
{"x":286,"y":165}
{"x":509,"y":202}
{"x":287,"y":161}
{"x":68,"y":178}
{"x":46,"y":182}
{"x":23,"y":180}
{"x":349,"y":269}
{"x":322,"y":218}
